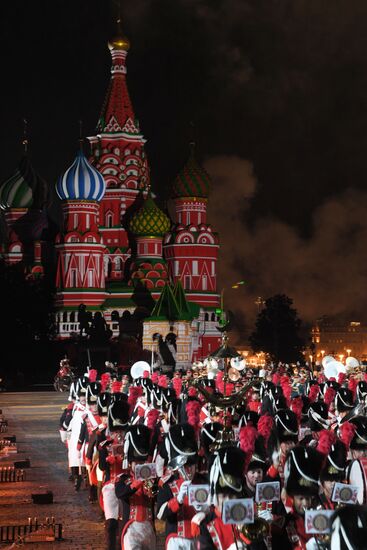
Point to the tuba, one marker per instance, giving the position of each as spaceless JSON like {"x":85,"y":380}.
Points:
{"x":257,"y":531}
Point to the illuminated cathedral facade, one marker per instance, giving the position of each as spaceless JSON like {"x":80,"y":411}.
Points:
{"x":115,"y":247}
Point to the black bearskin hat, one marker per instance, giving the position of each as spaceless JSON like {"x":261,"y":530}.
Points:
{"x":137,"y":443}
{"x":118,"y":415}
{"x":82,"y":384}
{"x":331,"y":384}
{"x":93,"y":390}
{"x":286,"y":425}
{"x":258,"y":458}
{"x":318,"y":413}
{"x":249,"y":417}
{"x":344,"y":400}
{"x":103,"y":402}
{"x":349,"y":527}
{"x":302,"y":471}
{"x":359,"y":441}
{"x":361,"y":390}
{"x":226,"y":471}
{"x":336,"y":462}
{"x":208,"y":435}
{"x":180,"y":440}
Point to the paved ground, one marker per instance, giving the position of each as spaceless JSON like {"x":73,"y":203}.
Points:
{"x":33,"y":418}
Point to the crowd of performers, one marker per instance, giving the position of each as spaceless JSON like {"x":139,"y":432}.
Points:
{"x":305,"y":433}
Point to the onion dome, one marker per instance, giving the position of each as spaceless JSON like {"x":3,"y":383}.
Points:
{"x":119,"y":41}
{"x":81,"y":181}
{"x":150,"y":220}
{"x":192,"y":180}
{"x":24,"y":189}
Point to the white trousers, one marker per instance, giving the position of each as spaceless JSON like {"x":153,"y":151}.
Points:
{"x":179,"y":543}
{"x":110,"y":501}
{"x":139,"y":535}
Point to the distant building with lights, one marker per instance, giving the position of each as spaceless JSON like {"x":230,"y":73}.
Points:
{"x":340,"y":338}
{"x":116,"y":249}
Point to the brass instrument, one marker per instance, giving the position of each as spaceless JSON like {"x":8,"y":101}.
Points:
{"x":178,"y":464}
{"x":150,"y":487}
{"x":257,"y":531}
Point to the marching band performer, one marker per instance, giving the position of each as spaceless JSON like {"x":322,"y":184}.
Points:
{"x":357,"y":467}
{"x":111,"y":463}
{"x":226,"y":470}
{"x":135,"y":494}
{"x":172,"y":501}
{"x":301,"y":479}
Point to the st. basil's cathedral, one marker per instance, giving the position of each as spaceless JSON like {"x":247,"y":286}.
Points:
{"x":116,"y":247}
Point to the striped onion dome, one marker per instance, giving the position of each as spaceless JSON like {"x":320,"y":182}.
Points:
{"x":192,"y":180}
{"x":81,"y":181}
{"x":149,"y":220}
{"x":24,"y":189}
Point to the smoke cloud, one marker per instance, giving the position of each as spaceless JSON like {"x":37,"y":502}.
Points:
{"x":324,"y":274}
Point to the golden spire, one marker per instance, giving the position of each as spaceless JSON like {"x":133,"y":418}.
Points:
{"x":119,"y":40}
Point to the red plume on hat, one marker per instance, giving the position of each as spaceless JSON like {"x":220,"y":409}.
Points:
{"x":193,"y":409}
{"x":326,"y":440}
{"x":116,"y":386}
{"x":342,"y":376}
{"x":287,"y":388}
{"x":346,"y":433}
{"x":276,"y":378}
{"x":92,"y":375}
{"x":105,"y":380}
{"x":247,"y":439}
{"x":152,"y":418}
{"x":177,"y":385}
{"x":163,"y":381}
{"x":297,"y":406}
{"x":329,"y":396}
{"x":314,"y":392}
{"x":155,"y":377}
{"x":134,"y":393}
{"x":265,"y":426}
{"x":365,"y":377}
{"x":192,"y":392}
{"x":352,"y":385}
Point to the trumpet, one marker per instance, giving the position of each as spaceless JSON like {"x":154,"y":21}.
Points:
{"x":150,"y":487}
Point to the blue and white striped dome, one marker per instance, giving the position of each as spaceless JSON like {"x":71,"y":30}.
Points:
{"x":81,"y":181}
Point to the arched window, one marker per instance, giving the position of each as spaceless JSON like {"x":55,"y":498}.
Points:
{"x":109,"y":220}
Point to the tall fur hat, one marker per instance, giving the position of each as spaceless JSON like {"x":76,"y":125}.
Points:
{"x":349,"y":527}
{"x":208,"y":435}
{"x":137,"y":443}
{"x":336,"y":462}
{"x":118,"y":415}
{"x":318,"y":413}
{"x":103,"y":402}
{"x":249,"y":417}
{"x":359,"y":441}
{"x":302,"y":471}
{"x":180,"y":440}
{"x":344,"y":400}
{"x":361,"y":390}
{"x":82,"y":384}
{"x":226,"y":471}
{"x":93,"y":390}
{"x":286,"y":425}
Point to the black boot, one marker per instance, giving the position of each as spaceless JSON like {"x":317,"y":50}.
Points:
{"x":77,"y":482}
{"x":74,"y":473}
{"x":111,"y":533}
{"x":92,"y":493}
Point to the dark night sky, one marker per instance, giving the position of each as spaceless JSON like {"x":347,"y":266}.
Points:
{"x":277,"y":90}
